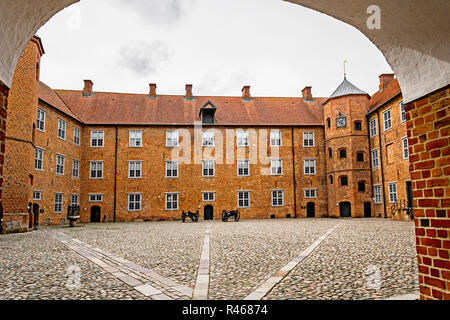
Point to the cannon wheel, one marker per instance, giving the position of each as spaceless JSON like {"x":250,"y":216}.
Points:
{"x":224,"y":216}
{"x":196,"y":217}
{"x":237,"y":217}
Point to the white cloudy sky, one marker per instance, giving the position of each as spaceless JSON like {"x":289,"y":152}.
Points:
{"x":217,"y":45}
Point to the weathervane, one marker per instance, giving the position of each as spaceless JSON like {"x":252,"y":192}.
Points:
{"x":345,"y":73}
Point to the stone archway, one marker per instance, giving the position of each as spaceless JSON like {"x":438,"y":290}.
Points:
{"x":418,"y":53}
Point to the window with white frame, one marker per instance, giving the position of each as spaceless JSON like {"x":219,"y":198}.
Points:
{"x":135,"y":138}
{"x":60,"y":160}
{"x":310,"y":193}
{"x":402,"y":112}
{"x":375,"y":160}
{"x":37,"y":195}
{"x":244,"y":199}
{"x":242,"y":138}
{"x":76,"y":169}
{"x":275,"y":138}
{"x":41,"y":120}
{"x":96,"y":171}
{"x":243,"y":167}
{"x":377,"y":194}
{"x":209,"y":196}
{"x":95,"y":198}
{"x":208,"y":168}
{"x":97,"y":139}
{"x":76,"y":136}
{"x":308,"y":139}
{"x":392,"y":192}
{"x":62,"y":129}
{"x":134,"y":202}
{"x":405,"y":146}
{"x":310,"y":166}
{"x":208,"y":138}
{"x":387,"y":120}
{"x":172,"y":201}
{"x":134,"y":169}
{"x":373,"y":127}
{"x":172,"y":138}
{"x":171,"y":169}
{"x":277,"y":198}
{"x":75,"y":200}
{"x":276,"y":167}
{"x":58,"y":202}
{"x":39,"y":159}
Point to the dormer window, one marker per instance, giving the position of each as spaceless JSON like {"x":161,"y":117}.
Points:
{"x":207,"y":113}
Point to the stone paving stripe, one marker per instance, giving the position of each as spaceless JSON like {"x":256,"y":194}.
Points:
{"x":278,"y":276}
{"x":409,"y":296}
{"x":147,"y":290}
{"x":202,"y":284}
{"x":126,"y":271}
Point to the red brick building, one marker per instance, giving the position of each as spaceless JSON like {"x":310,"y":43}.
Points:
{"x":130,"y":157}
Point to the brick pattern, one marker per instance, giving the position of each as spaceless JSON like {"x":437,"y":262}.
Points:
{"x":354,"y":108}
{"x":428,"y":123}
{"x":390,"y":155}
{"x":4,"y":91}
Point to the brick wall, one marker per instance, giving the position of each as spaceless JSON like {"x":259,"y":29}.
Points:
{"x":19,"y":149}
{"x":354,"y":108}
{"x":429,"y":133}
{"x":153,"y":185}
{"x":4,"y":90}
{"x":395,"y":167}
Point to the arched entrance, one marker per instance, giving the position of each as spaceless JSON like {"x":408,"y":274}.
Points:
{"x":345,"y":210}
{"x":367,"y":210}
{"x":36,"y":214}
{"x":311,"y":210}
{"x":30,"y":215}
{"x":209,"y":212}
{"x":95,"y":214}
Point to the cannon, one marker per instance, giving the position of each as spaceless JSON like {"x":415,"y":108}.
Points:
{"x":192,"y":215}
{"x":228,"y":214}
{"x":73,"y":214}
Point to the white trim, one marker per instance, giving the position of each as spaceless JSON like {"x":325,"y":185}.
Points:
{"x":304,"y":167}
{"x":40,"y":195}
{"x":249,"y":197}
{"x":103,"y":140}
{"x":245,"y":134}
{"x":141,"y":139}
{"x":63,"y":165}
{"x":390,"y":193}
{"x":178,"y":201}
{"x":37,"y":120}
{"x":390,"y":119}
{"x":313,"y":139}
{"x":79,"y":165}
{"x":90,"y":169}
{"x":140,"y":201}
{"x":213,"y":138}
{"x":376,"y":127}
{"x":65,"y":129}
{"x":375,"y":194}
{"x":282,"y":198}
{"x":75,"y":128}
{"x":203,"y":169}
{"x":273,"y":167}
{"x":403,"y":148}
{"x":402,"y":108}
{"x":95,"y":195}
{"x":372,"y":158}
{"x":275,"y":139}
{"x":178,"y":169}
{"x":237,"y":165}
{"x":310,"y":189}
{"x":54,"y":202}
{"x":129,"y":169}
{"x":42,"y":160}
{"x":208,"y":192}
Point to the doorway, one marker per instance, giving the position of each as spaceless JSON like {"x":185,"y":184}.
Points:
{"x":367,"y":210}
{"x":311,"y":210}
{"x":36,"y":214}
{"x":95,"y":214}
{"x":345,"y":209}
{"x":409,"y":192}
{"x":209,"y":212}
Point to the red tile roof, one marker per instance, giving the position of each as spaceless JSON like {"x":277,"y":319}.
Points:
{"x":381,"y":97}
{"x":139,"y":109}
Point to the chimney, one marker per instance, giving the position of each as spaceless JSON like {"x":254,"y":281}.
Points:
{"x":88,"y":86}
{"x":189,"y":95}
{"x":385,"y":79}
{"x":246,"y":93}
{"x":307,"y":95}
{"x":152,"y":94}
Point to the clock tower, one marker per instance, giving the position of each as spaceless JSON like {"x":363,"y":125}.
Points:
{"x":348,"y":167}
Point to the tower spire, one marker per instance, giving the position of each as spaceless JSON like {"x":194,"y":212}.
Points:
{"x":345,"y":72}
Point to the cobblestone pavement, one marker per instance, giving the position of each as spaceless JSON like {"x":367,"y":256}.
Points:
{"x":345,"y":265}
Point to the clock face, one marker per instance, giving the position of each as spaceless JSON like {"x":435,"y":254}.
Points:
{"x":341,"y":122}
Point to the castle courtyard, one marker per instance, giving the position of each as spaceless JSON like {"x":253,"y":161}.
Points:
{"x":293,"y":259}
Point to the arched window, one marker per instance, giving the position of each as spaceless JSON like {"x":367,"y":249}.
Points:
{"x":330,"y":153}
{"x":331,"y":180}
{"x":358,"y":126}
{"x":342,"y":153}
{"x":362,"y":186}
{"x":329,"y":123}
{"x":344,"y":180}
{"x":360,"y":156}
